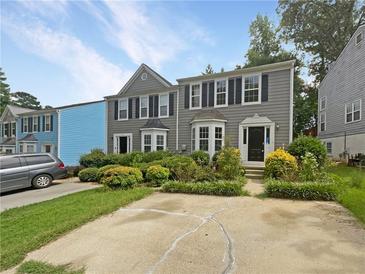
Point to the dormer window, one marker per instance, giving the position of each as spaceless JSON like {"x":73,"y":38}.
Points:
{"x":358,"y":38}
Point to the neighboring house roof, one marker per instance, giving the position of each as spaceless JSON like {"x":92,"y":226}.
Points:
{"x":28,"y":138}
{"x":209,"y":114}
{"x":161,"y":79}
{"x":8,"y":142}
{"x":262,"y":68}
{"x":154,"y":123}
{"x":15,"y":110}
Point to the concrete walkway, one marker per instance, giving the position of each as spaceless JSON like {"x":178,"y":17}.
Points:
{"x":30,"y":196}
{"x":176,"y":233}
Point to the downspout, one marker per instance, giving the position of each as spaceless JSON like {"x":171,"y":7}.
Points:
{"x":291,"y":103}
{"x":59,"y":134}
{"x":177,"y":120}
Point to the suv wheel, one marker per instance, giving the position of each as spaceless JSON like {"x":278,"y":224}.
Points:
{"x":42,"y":181}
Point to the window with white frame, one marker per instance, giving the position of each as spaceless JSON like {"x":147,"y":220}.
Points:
{"x":251,"y":89}
{"x":221,"y":93}
{"x":218,"y":142}
{"x":143,"y":107}
{"x":193,"y":130}
{"x":195,"y":96}
{"x":35,"y":124}
{"x":353,"y":111}
{"x":358,"y":38}
{"x":147,"y":145}
{"x":123,"y":109}
{"x":322,"y":121}
{"x":153,"y":140}
{"x":47,"y":122}
{"x":6,"y":129}
{"x":160,"y":142}
{"x":323,"y":103}
{"x":204,"y":138}
{"x":329,"y":147}
{"x":13,"y":129}
{"x":164,"y":105}
{"x":25,"y":124}
{"x":207,"y":136}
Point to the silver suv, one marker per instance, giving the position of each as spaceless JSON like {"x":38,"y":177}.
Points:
{"x":37,"y":170}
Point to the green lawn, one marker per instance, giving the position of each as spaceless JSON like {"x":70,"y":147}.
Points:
{"x":35,"y":267}
{"x":353,"y":195}
{"x":28,"y":228}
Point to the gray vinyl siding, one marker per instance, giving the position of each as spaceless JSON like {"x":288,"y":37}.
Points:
{"x":344,"y":83}
{"x":277,"y":109}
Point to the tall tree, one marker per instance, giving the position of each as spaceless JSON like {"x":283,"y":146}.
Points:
{"x":4,"y":92}
{"x":208,"y":70}
{"x":26,"y":100}
{"x":320,"y":28}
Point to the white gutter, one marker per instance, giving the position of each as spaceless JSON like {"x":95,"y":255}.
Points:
{"x":291,"y":102}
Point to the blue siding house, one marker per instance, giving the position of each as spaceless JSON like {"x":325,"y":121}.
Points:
{"x":66,"y":131}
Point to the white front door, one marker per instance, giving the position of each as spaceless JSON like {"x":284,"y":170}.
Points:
{"x":123,"y":143}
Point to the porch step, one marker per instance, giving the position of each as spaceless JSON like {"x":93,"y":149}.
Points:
{"x":254,"y":172}
{"x":254,"y":176}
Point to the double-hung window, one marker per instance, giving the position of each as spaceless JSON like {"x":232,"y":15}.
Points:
{"x":221,"y":92}
{"x":35,"y":124}
{"x":251,"y":89}
{"x":164,"y":105}
{"x":204,"y":138}
{"x":323,"y":103}
{"x":160,"y":142}
{"x":193,"y":131}
{"x":13,"y":129}
{"x":47,"y":119}
{"x":322,"y":121}
{"x":195,"y":96}
{"x":353,"y":111}
{"x":6,"y":129}
{"x":218,"y":138}
{"x":207,"y":136}
{"x":147,"y":146}
{"x":123,"y":109}
{"x":153,"y":139}
{"x":25,"y":124}
{"x":143,"y":107}
{"x":329,"y":147}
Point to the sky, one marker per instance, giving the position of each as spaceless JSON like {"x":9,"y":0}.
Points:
{"x":66,"y":52}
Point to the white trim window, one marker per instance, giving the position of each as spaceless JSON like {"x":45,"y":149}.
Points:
{"x":323,"y":104}
{"x":13,"y":129}
{"x":163,"y":110}
{"x":252,"y":90}
{"x":153,"y":140}
{"x":353,"y":112}
{"x":221,"y":94}
{"x":25,"y":124}
{"x":329,"y":147}
{"x":322,"y":121}
{"x":123,"y":109}
{"x":47,"y":121}
{"x":6,"y":129}
{"x":193,"y":138}
{"x":204,"y":138}
{"x":207,"y":136}
{"x":35,"y":124}
{"x":143,"y":107}
{"x":218,"y":135}
{"x":195,"y":96}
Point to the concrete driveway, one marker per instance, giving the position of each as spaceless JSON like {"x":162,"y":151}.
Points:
{"x":175,"y":233}
{"x":30,"y":196}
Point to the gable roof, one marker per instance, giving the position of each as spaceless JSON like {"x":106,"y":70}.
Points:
{"x":161,"y":79}
{"x":15,"y":110}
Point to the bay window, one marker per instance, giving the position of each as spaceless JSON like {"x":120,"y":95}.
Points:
{"x":204,"y":138}
{"x":144,"y":107}
{"x":221,"y":92}
{"x":218,"y":138}
{"x":147,"y":146}
{"x":251,"y":90}
{"x":195,"y":96}
{"x":160,"y":142}
{"x":353,"y":111}
{"x":123,"y":109}
{"x":153,"y":139}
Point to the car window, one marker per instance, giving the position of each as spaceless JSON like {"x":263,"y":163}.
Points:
{"x":38,"y":159}
{"x":9,"y":162}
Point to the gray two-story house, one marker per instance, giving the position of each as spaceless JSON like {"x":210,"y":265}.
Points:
{"x":341,"y":100}
{"x":250,"y":108}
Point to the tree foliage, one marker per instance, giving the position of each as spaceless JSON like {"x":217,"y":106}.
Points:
{"x":320,"y":28}
{"x":208,"y":70}
{"x":26,"y":100}
{"x":4,"y":92}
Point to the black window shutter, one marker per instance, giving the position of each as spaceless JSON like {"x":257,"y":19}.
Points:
{"x":116,"y":110}
{"x":130,"y":105}
{"x":204,"y":95}
{"x":155,"y":106}
{"x":30,"y":124}
{"x":137,"y":107}
{"x":265,"y":88}
{"x":51,"y":122}
{"x":187,"y":96}
{"x":44,"y":123}
{"x":211,"y":94}
{"x":22,"y":124}
{"x":238,"y":90}
{"x":230,"y":91}
{"x":39,"y":123}
{"x":171,"y":104}
{"x":150,"y":106}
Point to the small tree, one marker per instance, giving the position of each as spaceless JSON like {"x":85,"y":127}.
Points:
{"x":208,"y":70}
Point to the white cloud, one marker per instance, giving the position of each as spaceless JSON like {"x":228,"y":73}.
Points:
{"x":47,"y":8}
{"x":93,"y":74}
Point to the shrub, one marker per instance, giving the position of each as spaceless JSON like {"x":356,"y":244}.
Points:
{"x":304,"y":144}
{"x":102,"y":170}
{"x":280,"y":164}
{"x":219,"y":188}
{"x":112,"y":159}
{"x":182,"y":168}
{"x":229,"y":163}
{"x":200,"y":157}
{"x":130,"y":159}
{"x":302,"y":191}
{"x":72,"y":171}
{"x":309,"y":168}
{"x":122,"y":177}
{"x":155,"y":156}
{"x":92,"y":159}
{"x":205,"y":174}
{"x":157,"y":174}
{"x":88,"y":174}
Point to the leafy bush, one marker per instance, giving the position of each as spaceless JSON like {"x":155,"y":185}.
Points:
{"x":122,"y":177}
{"x":229,"y":162}
{"x":200,"y":157}
{"x":219,"y":188}
{"x":129,"y":159}
{"x":102,"y":170}
{"x":112,"y":159}
{"x":302,"y":191}
{"x":280,"y":164}
{"x":182,"y":168}
{"x":72,"y":171}
{"x":309,"y":168}
{"x":155,"y":155}
{"x":205,"y":174}
{"x":304,"y":144}
{"x":92,"y":159}
{"x":157,"y":174}
{"x":88,"y":174}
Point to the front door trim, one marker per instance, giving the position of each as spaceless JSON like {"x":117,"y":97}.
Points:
{"x":116,"y":142}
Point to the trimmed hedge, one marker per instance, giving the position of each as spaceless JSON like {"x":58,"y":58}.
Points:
{"x":219,"y":188}
{"x":157,"y":174}
{"x":122,"y":177}
{"x":326,"y":191}
{"x":93,"y":159}
{"x":88,"y":174}
{"x":102,"y":170}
